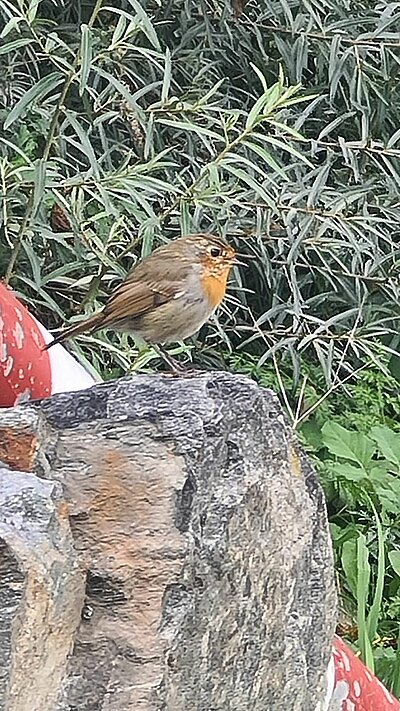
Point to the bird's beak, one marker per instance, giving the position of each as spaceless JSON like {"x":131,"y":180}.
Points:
{"x":238,"y":262}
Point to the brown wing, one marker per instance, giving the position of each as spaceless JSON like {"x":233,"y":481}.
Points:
{"x":133,"y":299}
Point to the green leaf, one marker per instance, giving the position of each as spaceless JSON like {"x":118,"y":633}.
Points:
{"x":167,"y":77}
{"x":375,"y":609}
{"x":394,"y":557}
{"x":246,"y":179}
{"x":260,"y":76}
{"x":191,"y":127}
{"x":269,"y":160}
{"x":39,"y":180}
{"x":348,"y":444}
{"x":349,"y":563}
{"x":32,"y":10}
{"x":348,"y":471}
{"x":388,"y":443}
{"x":38,"y":93}
{"x":145,"y":24}
{"x":363,"y":578}
{"x":16,"y":44}
{"x":86,"y":57}
{"x":285,"y":147}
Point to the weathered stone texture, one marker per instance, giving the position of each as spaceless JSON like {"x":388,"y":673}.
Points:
{"x":41,"y":592}
{"x":203,"y":532}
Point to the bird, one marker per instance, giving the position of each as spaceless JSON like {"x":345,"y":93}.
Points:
{"x":168,"y":295}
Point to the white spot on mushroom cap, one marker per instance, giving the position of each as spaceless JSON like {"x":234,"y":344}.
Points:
{"x":346,"y":661}
{"x":8,"y":366}
{"x":356,"y":689}
{"x":19,"y":335}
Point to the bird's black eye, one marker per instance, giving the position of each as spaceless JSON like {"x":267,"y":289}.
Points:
{"x":215,"y":251}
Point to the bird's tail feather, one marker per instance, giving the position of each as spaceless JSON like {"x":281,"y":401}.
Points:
{"x":90,"y":324}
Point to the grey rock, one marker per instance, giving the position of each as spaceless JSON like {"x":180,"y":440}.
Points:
{"x":41,"y":591}
{"x":204,"y":531}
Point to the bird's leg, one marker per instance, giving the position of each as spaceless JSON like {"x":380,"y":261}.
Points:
{"x":176,"y":367}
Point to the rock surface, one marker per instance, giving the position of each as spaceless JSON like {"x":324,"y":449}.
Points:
{"x":203,"y":532}
{"x":41,"y":590}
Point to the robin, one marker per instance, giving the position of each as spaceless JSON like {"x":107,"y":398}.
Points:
{"x":168,"y":296}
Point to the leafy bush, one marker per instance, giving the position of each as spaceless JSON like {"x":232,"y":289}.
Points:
{"x":141,"y":122}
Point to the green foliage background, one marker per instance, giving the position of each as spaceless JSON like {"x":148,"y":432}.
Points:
{"x":275,"y":125}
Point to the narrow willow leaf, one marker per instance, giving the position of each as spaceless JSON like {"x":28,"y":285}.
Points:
{"x":185,"y":219}
{"x":191,"y":127}
{"x":237,"y":158}
{"x":334,"y":124}
{"x":16,"y":44}
{"x":119,"y":86}
{"x":243,"y":177}
{"x":11,"y":25}
{"x":119,"y":30}
{"x":260,"y":76}
{"x":167,"y":77}
{"x":34,"y":261}
{"x":146,"y":24}
{"x":38,"y":92}
{"x":16,"y":148}
{"x":39,"y":180}
{"x":265,"y":104}
{"x":84,"y":142}
{"x":285,"y":147}
{"x":269,"y":160}
{"x":204,"y":99}
{"x":32,"y":11}
{"x":393,"y":139}
{"x":86,"y":57}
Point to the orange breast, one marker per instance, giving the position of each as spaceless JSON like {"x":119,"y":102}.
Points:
{"x":214,"y":287}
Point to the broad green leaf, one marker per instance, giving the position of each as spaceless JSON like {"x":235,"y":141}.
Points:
{"x":388,"y":443}
{"x":348,"y":471}
{"x":394,"y":557}
{"x":36,"y":93}
{"x":348,"y":444}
